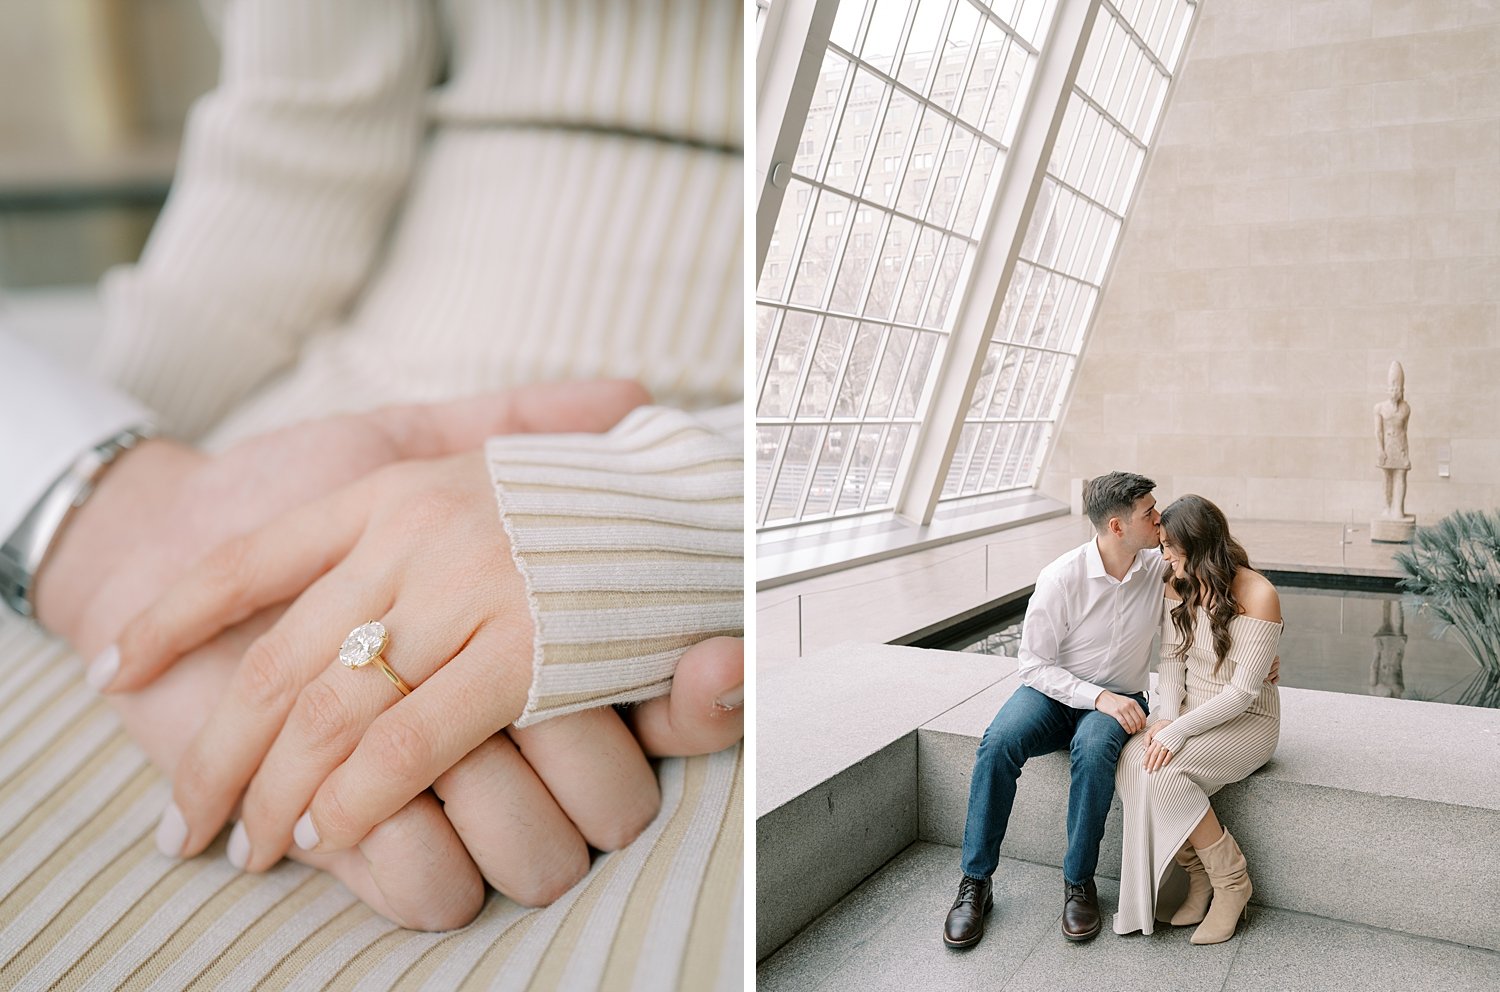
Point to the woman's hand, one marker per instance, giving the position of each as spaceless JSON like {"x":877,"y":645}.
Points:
{"x":418,"y":546}
{"x":1157,"y":754}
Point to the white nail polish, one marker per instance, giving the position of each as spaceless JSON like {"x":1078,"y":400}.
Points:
{"x":304,"y":833}
{"x":103,"y":669}
{"x":239,"y":846}
{"x":171,"y":832}
{"x":733,"y":699}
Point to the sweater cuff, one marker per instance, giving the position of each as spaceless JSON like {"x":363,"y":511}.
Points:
{"x":631,"y":545}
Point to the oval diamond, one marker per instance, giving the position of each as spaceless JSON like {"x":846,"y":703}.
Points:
{"x":363,"y":644}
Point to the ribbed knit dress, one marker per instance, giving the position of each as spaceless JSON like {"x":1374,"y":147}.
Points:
{"x":396,"y":201}
{"x":1224,"y":726}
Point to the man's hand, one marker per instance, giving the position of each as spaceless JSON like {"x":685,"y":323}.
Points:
{"x":1126,"y":711}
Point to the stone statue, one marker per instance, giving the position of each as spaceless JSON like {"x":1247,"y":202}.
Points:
{"x":1390,"y":652}
{"x":1391,"y":417}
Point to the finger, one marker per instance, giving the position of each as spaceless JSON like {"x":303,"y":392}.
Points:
{"x":216,"y":768}
{"x":331,"y":715}
{"x":239,"y":578}
{"x":409,"y":744}
{"x":433,"y":430}
{"x":705,"y":711}
{"x":522,"y":841}
{"x":412,"y":869}
{"x":595,"y":769}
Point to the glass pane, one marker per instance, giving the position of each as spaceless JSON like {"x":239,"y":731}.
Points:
{"x":850,"y":283}
{"x":790,"y":350}
{"x":887,"y":377}
{"x":819,"y":255}
{"x":923,"y":160}
{"x":820,"y":116}
{"x":1000,"y":122}
{"x":992,"y":45}
{"x":994,"y":459}
{"x":954,"y":478}
{"x":825,"y":474}
{"x":924,"y":260}
{"x":1005,"y":381}
{"x":775,"y":275}
{"x":884,"y":35}
{"x":857,"y":375}
{"x":978,"y":191}
{"x":890,"y":150}
{"x":945,"y":283}
{"x":857,"y":481}
{"x":847,"y":160}
{"x":822,"y":375}
{"x":950,"y":174}
{"x":949,"y":84}
{"x":910,"y":394}
{"x":891,"y":454}
{"x":794,"y":467}
{"x":765,"y":321}
{"x":974,"y":468}
{"x":923,"y":43}
{"x":846,"y":24}
{"x":767,"y":440}
{"x":898,"y":243}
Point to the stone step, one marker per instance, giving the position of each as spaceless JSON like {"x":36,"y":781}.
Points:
{"x":1383,"y":812}
{"x":1380,"y":812}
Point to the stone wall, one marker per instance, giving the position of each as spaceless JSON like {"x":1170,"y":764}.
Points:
{"x":1324,"y":198}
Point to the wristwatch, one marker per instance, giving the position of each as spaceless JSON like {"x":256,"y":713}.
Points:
{"x":23,"y":552}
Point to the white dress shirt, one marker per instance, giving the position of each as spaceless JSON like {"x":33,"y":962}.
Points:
{"x":1087,"y":631}
{"x":50,"y":416}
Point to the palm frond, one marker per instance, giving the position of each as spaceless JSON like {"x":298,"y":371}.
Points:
{"x":1453,"y":572}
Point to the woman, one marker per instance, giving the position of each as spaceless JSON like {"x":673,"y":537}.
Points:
{"x":1217,"y":721}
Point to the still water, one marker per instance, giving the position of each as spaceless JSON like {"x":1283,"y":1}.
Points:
{"x":1372,"y":643}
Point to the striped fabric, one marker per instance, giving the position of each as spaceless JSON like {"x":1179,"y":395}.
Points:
{"x":1224,"y":726}
{"x":631,"y":545}
{"x":86,"y":902}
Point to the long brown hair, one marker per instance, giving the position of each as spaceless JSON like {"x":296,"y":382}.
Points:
{"x":1198,"y":531}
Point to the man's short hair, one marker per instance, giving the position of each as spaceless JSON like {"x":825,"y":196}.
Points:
{"x":1113,"y":495}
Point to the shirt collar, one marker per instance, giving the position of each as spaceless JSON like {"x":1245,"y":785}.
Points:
{"x":1094,"y":563}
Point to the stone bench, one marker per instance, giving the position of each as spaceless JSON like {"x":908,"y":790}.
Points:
{"x":1376,"y":811}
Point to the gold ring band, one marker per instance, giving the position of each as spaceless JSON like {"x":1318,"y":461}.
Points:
{"x":366,"y":643}
{"x":390,"y":673}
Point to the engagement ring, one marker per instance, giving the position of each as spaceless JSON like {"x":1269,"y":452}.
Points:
{"x":365,"y":644}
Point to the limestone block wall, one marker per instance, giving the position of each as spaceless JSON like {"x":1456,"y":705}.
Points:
{"x":1324,"y":198}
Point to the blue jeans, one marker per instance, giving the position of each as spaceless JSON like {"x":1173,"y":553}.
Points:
{"x":1032,"y":723}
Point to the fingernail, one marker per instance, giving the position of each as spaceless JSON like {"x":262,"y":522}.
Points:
{"x":103,"y":669}
{"x":733,"y":699}
{"x":171,"y":832}
{"x":304,"y":833}
{"x":239,"y":846}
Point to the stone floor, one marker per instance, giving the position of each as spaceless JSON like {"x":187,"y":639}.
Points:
{"x":886,"y":934}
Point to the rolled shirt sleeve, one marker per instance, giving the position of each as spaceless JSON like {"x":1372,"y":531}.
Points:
{"x":632,"y":547}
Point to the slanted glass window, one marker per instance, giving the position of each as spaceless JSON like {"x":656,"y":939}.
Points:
{"x":886,"y":202}
{"x":1095,"y":166}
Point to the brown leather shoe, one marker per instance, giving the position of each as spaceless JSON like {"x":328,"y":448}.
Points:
{"x":1080,"y":918}
{"x":965,"y":923}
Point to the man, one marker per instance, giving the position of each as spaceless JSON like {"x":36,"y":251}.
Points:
{"x":1084,"y":664}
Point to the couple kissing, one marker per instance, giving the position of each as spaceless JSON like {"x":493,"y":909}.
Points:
{"x":1084,"y":664}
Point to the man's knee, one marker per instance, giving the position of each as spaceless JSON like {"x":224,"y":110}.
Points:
{"x":1100,"y":748}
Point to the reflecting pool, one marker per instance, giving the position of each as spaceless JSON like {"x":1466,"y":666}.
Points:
{"x":1339,"y":640}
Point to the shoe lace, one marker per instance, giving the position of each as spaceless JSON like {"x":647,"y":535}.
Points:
{"x":1076,"y":892}
{"x":968,"y":890}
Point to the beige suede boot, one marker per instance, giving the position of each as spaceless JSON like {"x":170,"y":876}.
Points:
{"x":1195,"y":907}
{"x":1231,"y":883}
